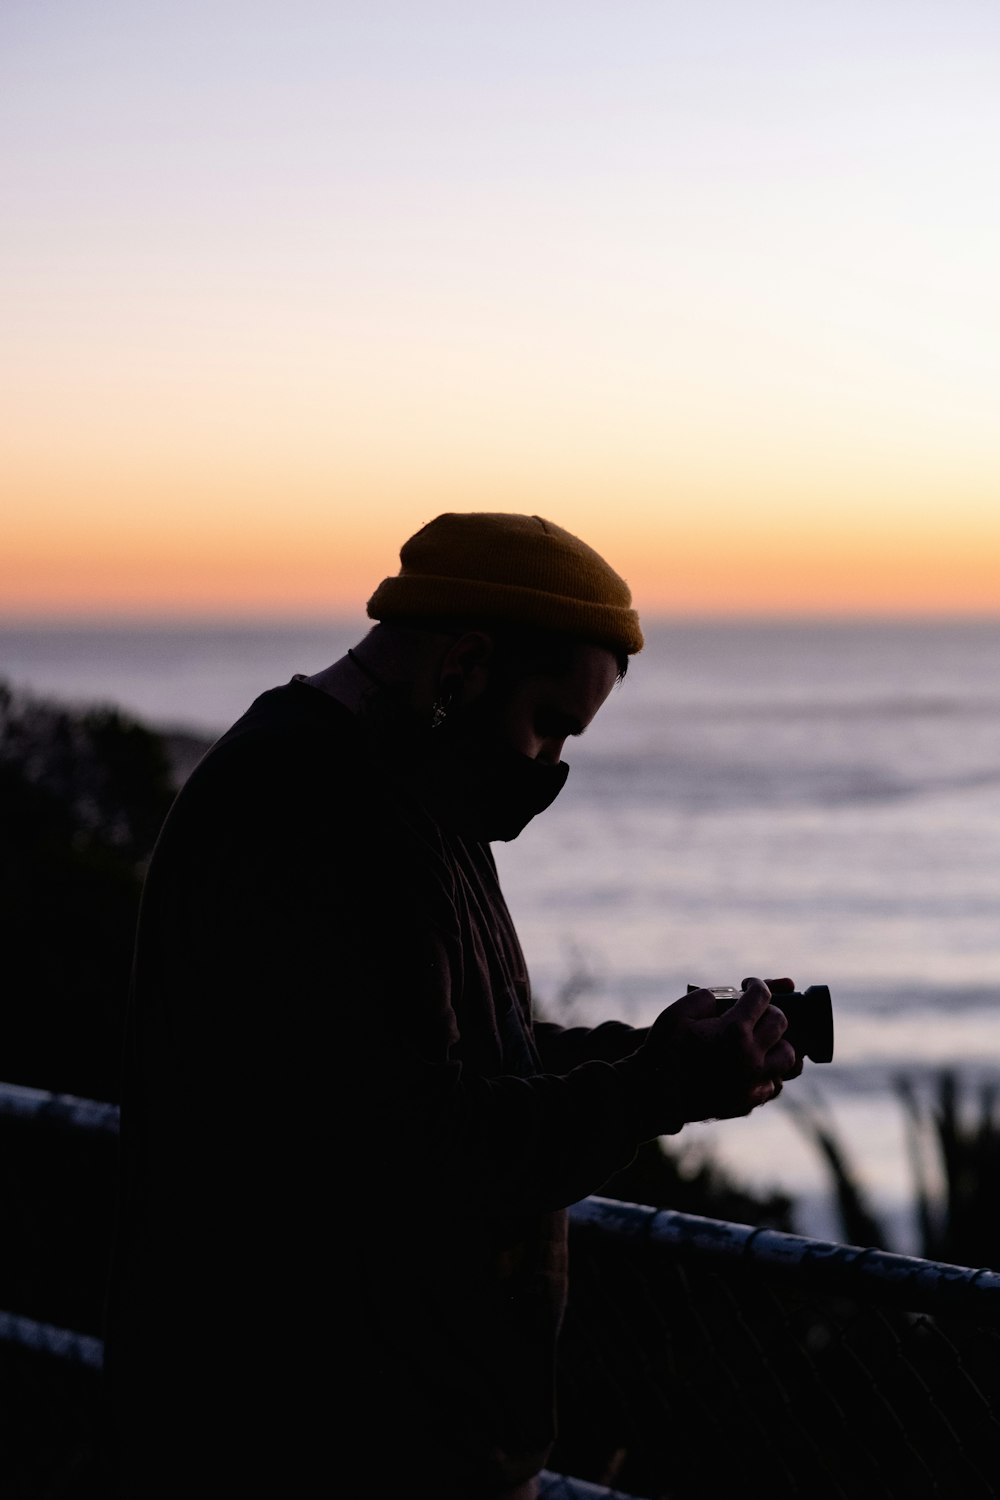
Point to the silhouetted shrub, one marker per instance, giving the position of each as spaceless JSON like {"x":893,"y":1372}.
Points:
{"x":82,"y":796}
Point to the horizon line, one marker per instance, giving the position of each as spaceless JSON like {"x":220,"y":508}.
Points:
{"x":341,"y":621}
{"x":312,"y":619}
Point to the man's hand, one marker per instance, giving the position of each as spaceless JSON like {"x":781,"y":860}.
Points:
{"x":699,"y":1064}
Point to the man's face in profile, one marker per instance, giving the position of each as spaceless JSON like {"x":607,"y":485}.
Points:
{"x":499,"y":754}
{"x":537,"y":713}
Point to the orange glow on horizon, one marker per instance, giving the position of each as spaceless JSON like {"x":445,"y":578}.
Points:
{"x":107,"y":567}
{"x":278,"y":528}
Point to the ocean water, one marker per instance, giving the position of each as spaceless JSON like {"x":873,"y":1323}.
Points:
{"x":814,"y":799}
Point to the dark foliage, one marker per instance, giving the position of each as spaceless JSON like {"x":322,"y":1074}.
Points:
{"x":661,"y":1178}
{"x":953,"y":1136}
{"x":958,"y":1222}
{"x":859,"y":1222}
{"x":82,"y":797}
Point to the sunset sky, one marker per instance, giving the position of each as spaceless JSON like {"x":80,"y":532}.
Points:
{"x":714,"y":285}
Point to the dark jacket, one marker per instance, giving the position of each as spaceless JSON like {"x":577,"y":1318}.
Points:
{"x":346,"y":1149}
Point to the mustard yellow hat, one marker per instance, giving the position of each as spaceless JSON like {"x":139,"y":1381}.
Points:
{"x":522,"y":569}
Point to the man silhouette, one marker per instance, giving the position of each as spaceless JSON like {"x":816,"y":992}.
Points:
{"x":348,"y":1147}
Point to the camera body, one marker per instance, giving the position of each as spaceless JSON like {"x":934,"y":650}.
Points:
{"x":809,"y":1014}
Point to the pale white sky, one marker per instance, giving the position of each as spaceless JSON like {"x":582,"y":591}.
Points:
{"x":708,"y":264}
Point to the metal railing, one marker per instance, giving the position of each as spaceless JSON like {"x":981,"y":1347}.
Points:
{"x":699,"y":1355}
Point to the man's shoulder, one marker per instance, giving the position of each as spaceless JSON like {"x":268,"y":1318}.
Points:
{"x":288,"y":719}
{"x":293,"y":736}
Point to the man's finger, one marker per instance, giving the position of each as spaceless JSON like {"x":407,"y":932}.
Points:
{"x":753,"y":1002}
{"x":697,"y":1004}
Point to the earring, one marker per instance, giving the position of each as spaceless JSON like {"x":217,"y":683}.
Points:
{"x":442,"y":703}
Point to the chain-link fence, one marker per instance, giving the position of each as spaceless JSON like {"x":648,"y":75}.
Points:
{"x":698,"y":1355}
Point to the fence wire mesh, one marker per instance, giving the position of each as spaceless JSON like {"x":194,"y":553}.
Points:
{"x":712,"y":1356}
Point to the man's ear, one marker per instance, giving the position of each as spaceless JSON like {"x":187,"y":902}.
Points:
{"x":465,"y":668}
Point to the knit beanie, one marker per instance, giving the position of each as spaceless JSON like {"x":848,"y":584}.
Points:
{"x":523,"y":570}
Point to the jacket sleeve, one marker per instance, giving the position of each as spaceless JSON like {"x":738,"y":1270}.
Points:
{"x":563,"y":1047}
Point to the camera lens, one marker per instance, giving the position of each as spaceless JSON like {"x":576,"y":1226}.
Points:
{"x":810,"y":1021}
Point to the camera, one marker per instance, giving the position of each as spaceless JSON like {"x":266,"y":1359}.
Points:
{"x":809,"y":1015}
